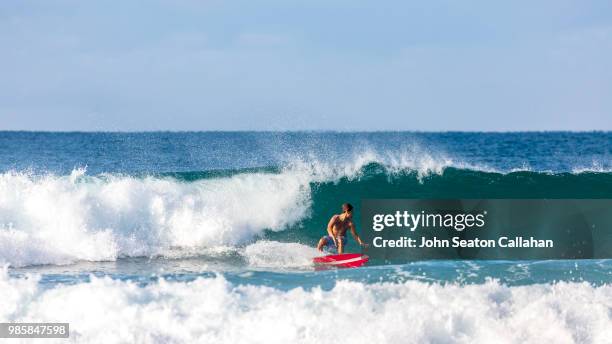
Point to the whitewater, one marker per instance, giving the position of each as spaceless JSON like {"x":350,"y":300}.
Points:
{"x":212,"y":310}
{"x":208,"y":237}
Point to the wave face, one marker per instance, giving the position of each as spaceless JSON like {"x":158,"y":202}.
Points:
{"x":213,"y":310}
{"x":51,"y":219}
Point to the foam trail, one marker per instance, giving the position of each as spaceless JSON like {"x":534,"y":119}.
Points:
{"x":215,"y":311}
{"x":274,"y":254}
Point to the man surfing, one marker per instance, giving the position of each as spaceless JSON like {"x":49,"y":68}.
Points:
{"x":336,"y":230}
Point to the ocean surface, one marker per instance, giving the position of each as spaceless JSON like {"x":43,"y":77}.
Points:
{"x":208,"y":237}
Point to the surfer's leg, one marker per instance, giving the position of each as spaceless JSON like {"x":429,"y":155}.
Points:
{"x":340,"y":241}
{"x":322,"y":243}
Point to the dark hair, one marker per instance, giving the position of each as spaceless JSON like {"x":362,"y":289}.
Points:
{"x":348,"y":206}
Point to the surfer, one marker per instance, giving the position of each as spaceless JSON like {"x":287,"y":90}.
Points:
{"x":336,"y":230}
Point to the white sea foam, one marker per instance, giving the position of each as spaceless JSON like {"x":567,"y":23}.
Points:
{"x":60,"y":219}
{"x":274,"y":254}
{"x":215,"y":311}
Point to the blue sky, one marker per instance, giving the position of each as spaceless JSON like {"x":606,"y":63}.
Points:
{"x":302,"y":65}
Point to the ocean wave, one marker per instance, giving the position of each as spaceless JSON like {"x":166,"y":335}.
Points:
{"x":213,"y":310}
{"x":51,"y":219}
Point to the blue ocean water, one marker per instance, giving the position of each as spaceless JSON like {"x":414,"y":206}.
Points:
{"x":162,"y":219}
{"x":160,"y":152}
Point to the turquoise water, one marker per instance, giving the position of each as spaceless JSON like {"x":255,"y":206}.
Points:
{"x":145,"y":271}
{"x":161,"y":220}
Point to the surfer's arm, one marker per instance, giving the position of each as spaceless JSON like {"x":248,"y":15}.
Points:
{"x":354,"y":234}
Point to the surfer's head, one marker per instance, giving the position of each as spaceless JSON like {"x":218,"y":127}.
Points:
{"x":347,"y":208}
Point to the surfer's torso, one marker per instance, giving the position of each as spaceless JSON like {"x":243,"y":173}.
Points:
{"x":341,"y":224}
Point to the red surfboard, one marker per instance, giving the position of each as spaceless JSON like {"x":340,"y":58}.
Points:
{"x":346,"y":260}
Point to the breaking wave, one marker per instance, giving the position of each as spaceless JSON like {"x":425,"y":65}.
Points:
{"x":59,"y":219}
